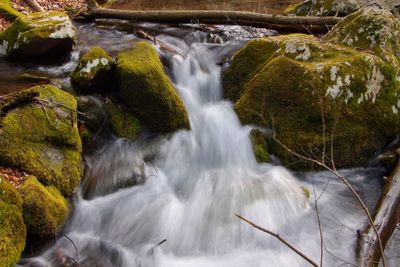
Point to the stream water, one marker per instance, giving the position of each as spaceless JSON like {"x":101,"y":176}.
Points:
{"x":189,"y":185}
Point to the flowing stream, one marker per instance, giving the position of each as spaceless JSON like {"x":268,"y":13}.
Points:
{"x":189,"y":185}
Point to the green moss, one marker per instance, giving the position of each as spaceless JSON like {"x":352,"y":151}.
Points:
{"x":356,"y":91}
{"x":12,"y":234}
{"x":44,"y":208}
{"x":43,"y":139}
{"x":94,"y":72}
{"x":298,"y":9}
{"x":259,"y":144}
{"x":9,"y":194}
{"x":306,"y":192}
{"x":148,"y":91}
{"x":38,"y":34}
{"x":371,"y":29}
{"x":123,"y":123}
{"x":7,"y":12}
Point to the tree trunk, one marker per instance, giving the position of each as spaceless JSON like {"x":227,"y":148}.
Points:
{"x":34,"y":5}
{"x":275,"y":22}
{"x":385,"y":220}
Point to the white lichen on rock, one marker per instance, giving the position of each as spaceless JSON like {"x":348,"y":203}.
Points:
{"x":3,"y":48}
{"x":294,"y":47}
{"x":375,"y":78}
{"x":65,"y":30}
{"x":90,"y":65}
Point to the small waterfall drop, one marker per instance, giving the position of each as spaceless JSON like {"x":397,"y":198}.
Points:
{"x":188,"y":188}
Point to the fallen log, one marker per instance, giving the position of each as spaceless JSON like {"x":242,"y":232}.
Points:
{"x":34,"y":5}
{"x":305,"y":24}
{"x":385,"y":220}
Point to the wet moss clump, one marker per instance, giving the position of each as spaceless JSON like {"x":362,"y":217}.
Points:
{"x":41,"y":137}
{"x":123,"y":123}
{"x":303,"y":78}
{"x":94,"y":72}
{"x":13,"y":229}
{"x":259,"y":144}
{"x":148,"y":91}
{"x":40,"y":35}
{"x":44,"y":208}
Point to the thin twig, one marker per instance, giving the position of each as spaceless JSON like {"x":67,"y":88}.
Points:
{"x":277,"y":236}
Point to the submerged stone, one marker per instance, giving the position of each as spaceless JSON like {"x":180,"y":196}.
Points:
{"x":39,"y":135}
{"x":40,"y":35}
{"x":148,"y":91}
{"x":94,"y":72}
{"x":297,"y":78}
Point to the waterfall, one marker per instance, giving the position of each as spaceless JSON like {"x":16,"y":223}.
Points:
{"x":189,"y":186}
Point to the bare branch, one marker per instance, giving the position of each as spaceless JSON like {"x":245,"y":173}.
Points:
{"x":34,"y":5}
{"x":277,"y":236}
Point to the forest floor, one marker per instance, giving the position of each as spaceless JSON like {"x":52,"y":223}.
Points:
{"x":70,"y":6}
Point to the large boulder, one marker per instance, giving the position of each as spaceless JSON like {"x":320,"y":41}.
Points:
{"x":13,"y":229}
{"x":40,"y":35}
{"x":148,"y":91}
{"x":44,"y":208}
{"x":39,"y":135}
{"x":94,"y":72}
{"x":323,"y":8}
{"x":371,"y":29}
{"x":294,"y":79}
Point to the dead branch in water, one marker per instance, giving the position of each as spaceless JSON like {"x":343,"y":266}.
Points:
{"x":281,"y":23}
{"x":277,"y":236}
{"x":385,"y":220}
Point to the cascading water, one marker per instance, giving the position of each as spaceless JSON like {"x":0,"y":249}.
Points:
{"x":189,"y":186}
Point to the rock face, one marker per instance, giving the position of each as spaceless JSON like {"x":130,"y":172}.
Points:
{"x":44,"y":208}
{"x":39,"y":135}
{"x":288,"y":82}
{"x":323,"y":8}
{"x":94,"y":72}
{"x":40,"y":35}
{"x":13,"y":229}
{"x":148,"y":91}
{"x":370,"y":29}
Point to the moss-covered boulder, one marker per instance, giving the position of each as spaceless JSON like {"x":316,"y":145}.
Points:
{"x":297,"y":78}
{"x":40,"y":35}
{"x":370,"y":29}
{"x":44,"y":208}
{"x":39,"y":135}
{"x":107,"y":116}
{"x":323,"y":8}
{"x":94,"y":72}
{"x":13,"y":229}
{"x":259,"y":144}
{"x":123,"y":123}
{"x":148,"y":91}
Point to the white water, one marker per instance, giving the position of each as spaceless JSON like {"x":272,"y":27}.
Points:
{"x":189,"y":192}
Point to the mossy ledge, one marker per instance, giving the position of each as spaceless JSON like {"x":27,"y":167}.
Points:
{"x":13,"y":229}
{"x":302,"y":78}
{"x":148,"y":91}
{"x":41,"y":137}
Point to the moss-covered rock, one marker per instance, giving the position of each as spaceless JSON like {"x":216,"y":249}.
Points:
{"x":123,"y":123}
{"x":148,"y":90}
{"x":370,"y":29}
{"x":44,"y":208}
{"x":302,"y":78}
{"x":40,"y":35}
{"x":13,"y":229}
{"x":94,"y":72}
{"x":7,"y":12}
{"x":41,"y":137}
{"x":259,"y":144}
{"x":323,"y":8}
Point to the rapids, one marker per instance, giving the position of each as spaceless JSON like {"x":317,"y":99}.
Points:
{"x":186,"y":188}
